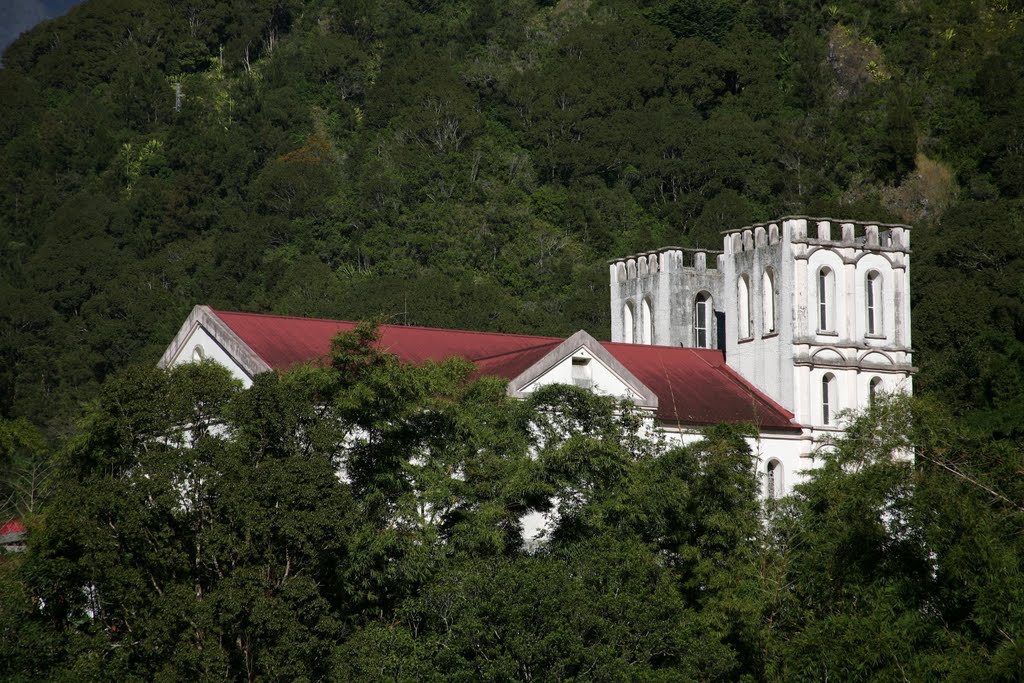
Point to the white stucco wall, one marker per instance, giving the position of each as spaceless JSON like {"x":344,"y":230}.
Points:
{"x":792,"y":450}
{"x":605,"y":382}
{"x":212,"y":351}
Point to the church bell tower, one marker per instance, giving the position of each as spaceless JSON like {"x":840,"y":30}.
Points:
{"x":815,"y":312}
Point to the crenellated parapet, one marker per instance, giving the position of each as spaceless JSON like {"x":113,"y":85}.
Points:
{"x":814,"y":310}
{"x":665,"y":260}
{"x":810,"y":230}
{"x":649,"y":293}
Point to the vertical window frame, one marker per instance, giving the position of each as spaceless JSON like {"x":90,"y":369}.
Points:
{"x":873,"y":298}
{"x":828,"y":399}
{"x":646,"y":321}
{"x":628,"y":323}
{"x":769,"y":309}
{"x":826,"y":289}
{"x":702,"y":315}
{"x":744,"y":316}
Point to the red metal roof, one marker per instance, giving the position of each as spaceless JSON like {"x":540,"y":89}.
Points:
{"x":694,"y":386}
{"x":13,"y":526}
{"x":283,"y":341}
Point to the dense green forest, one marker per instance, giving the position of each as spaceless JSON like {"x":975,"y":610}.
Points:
{"x":472,"y":164}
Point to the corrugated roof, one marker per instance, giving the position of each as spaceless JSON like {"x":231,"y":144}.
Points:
{"x":694,"y":386}
{"x":283,"y":341}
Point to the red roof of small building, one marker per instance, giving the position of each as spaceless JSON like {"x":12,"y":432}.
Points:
{"x":13,"y":526}
{"x":694,"y":386}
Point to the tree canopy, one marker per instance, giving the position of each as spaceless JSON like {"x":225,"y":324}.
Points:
{"x":364,"y":521}
{"x":473,"y":164}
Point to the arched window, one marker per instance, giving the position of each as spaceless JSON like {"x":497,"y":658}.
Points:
{"x":627,"y":323}
{"x":743,"y":303}
{"x":703,"y":315}
{"x":874,"y":389}
{"x":826,"y":300}
{"x":198,"y":354}
{"x":774,"y":485}
{"x":828,"y":399}
{"x":873,"y":299}
{"x":768,"y":301}
{"x":646,"y":323}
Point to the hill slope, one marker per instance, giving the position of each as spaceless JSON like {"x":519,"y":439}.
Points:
{"x":472,"y":164}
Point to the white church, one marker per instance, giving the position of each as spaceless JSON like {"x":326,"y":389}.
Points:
{"x":795,"y":321}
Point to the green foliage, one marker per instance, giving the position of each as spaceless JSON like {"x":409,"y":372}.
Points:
{"x":364,"y":519}
{"x":25,"y":469}
{"x":897,"y":569}
{"x":473,"y":164}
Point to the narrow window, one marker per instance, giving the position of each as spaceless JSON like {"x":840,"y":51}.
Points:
{"x":743,"y":301}
{"x":826,"y":299}
{"x":873,"y":298}
{"x":773,"y":479}
{"x":768,"y":301}
{"x":646,"y":323}
{"x":701,"y":321}
{"x":627,"y":323}
{"x":581,"y":373}
{"x":874,"y":387}
{"x":828,"y":399}
{"x":198,"y":354}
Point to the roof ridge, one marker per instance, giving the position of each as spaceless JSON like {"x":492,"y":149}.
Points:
{"x":388,"y":325}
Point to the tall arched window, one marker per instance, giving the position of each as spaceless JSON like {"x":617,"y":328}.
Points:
{"x":768,"y":300}
{"x":826,"y":300}
{"x":874,"y":388}
{"x":743,"y":305}
{"x":773,"y":479}
{"x":828,"y":399}
{"x":873,"y":301}
{"x":646,"y":323}
{"x":703,"y":315}
{"x":627,"y":323}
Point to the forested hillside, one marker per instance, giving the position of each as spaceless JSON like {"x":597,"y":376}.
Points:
{"x":472,"y":164}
